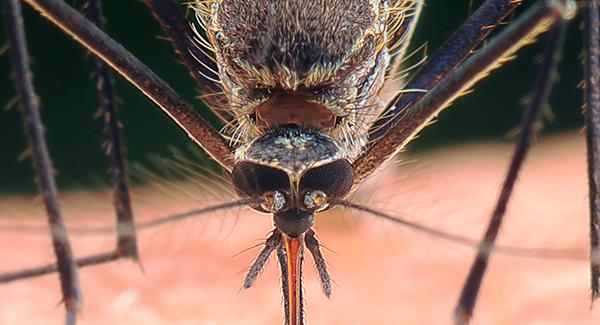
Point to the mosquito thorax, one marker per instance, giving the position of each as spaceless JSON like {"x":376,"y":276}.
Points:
{"x":295,"y":172}
{"x":319,"y":64}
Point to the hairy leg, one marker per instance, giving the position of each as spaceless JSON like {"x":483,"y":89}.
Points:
{"x":470,"y":291}
{"x":139,"y":75}
{"x":199,"y":64}
{"x":126,"y":239}
{"x":592,"y":114}
{"x":520,"y":33}
{"x":34,"y":130}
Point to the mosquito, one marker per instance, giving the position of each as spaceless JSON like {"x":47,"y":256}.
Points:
{"x":310,"y":108}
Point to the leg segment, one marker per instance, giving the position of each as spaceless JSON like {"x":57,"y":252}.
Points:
{"x":460,"y":45}
{"x":468,"y":297}
{"x":126,"y":236}
{"x":198,"y":63}
{"x":51,"y":268}
{"x":139,"y":75}
{"x":113,"y":255}
{"x":523,"y":31}
{"x":41,"y":159}
{"x":592,"y":120}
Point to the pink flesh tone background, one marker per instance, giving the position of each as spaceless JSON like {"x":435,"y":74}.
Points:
{"x":384,"y":274}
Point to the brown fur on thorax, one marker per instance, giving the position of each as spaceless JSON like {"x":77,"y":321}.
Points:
{"x":334,"y":53}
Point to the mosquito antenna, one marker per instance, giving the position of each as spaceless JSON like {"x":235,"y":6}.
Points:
{"x":466,"y":241}
{"x":197,"y":212}
{"x":87,"y":231}
{"x":111,"y":255}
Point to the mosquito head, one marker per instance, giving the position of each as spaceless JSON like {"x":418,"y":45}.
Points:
{"x":296,"y":171}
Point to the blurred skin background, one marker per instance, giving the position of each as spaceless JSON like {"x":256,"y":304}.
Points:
{"x":190,"y":274}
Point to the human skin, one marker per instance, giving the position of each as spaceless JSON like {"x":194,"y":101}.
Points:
{"x":383,"y":273}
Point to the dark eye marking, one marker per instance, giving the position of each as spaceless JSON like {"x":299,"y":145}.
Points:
{"x":252,"y":179}
{"x":334,"y":178}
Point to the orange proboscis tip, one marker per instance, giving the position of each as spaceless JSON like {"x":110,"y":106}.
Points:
{"x":293,"y":250}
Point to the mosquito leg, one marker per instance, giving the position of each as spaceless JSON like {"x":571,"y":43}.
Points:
{"x":315,"y":249}
{"x":51,"y":268}
{"x":256,"y":269}
{"x":111,"y":52}
{"x":520,"y":33}
{"x":542,"y":85}
{"x":126,"y":236}
{"x":198,"y":63}
{"x":41,"y":158}
{"x":592,"y":114}
{"x":454,"y":51}
{"x":114,"y":255}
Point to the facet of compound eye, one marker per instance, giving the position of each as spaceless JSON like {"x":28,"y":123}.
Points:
{"x":274,"y":201}
{"x":334,"y":178}
{"x":292,"y":149}
{"x":315,"y":200}
{"x":253,"y":180}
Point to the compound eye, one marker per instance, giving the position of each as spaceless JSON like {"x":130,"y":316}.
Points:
{"x":315,"y":201}
{"x":254,"y":180}
{"x":273,"y":201}
{"x":333,"y":179}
